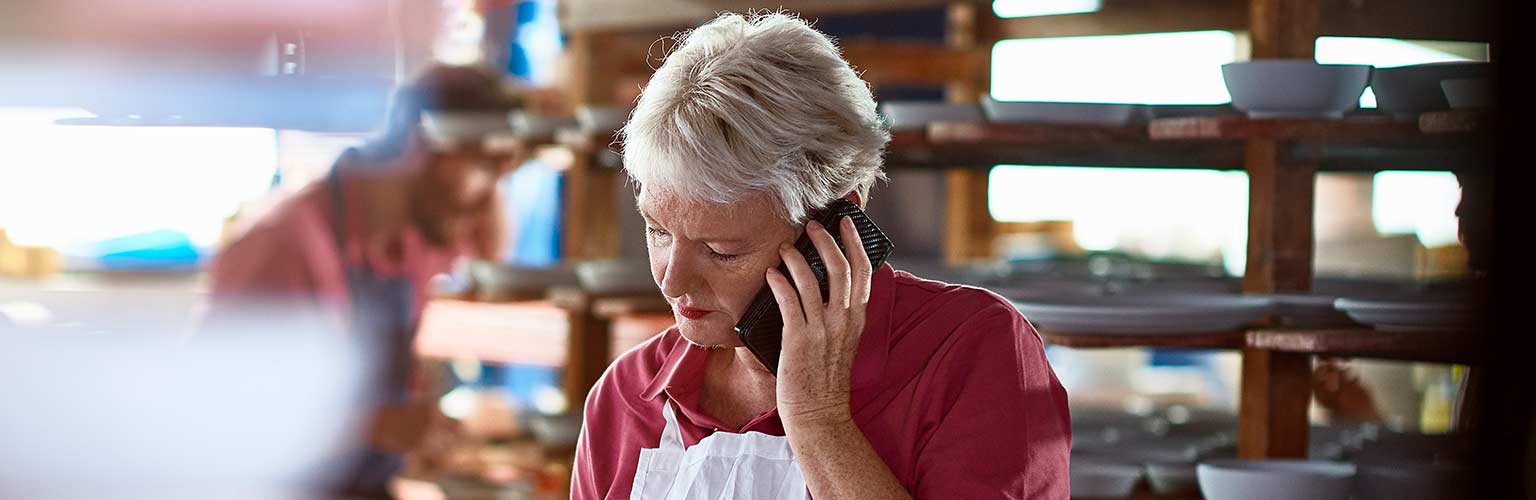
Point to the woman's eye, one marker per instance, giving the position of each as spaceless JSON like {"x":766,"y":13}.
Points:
{"x":656,"y":231}
{"x":723,"y":256}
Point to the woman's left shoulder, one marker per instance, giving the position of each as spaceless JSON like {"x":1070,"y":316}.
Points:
{"x":961,"y":303}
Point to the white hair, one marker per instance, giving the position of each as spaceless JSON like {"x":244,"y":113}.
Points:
{"x":753,"y":104}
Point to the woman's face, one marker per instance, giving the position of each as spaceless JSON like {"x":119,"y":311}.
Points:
{"x":709,"y":259}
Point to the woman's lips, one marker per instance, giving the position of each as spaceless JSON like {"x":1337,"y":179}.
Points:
{"x":691,"y":312}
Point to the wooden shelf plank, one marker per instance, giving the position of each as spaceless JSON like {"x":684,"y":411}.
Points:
{"x":984,"y":144}
{"x":1463,"y":347}
{"x":1456,"y":121}
{"x":1219,"y":340}
{"x":1350,"y":129}
{"x":1032,"y":134}
{"x":530,"y":333}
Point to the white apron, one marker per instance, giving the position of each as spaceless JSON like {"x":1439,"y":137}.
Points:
{"x":724,"y":465}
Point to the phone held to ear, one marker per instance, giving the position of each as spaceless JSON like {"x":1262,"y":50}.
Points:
{"x":761,"y":328}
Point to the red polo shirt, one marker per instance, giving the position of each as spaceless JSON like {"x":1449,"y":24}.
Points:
{"x":950,"y":385}
{"x":291,"y":256}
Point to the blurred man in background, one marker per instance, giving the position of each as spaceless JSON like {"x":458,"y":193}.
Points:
{"x":357,"y":248}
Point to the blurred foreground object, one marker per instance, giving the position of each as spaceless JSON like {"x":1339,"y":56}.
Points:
{"x":260,"y":410}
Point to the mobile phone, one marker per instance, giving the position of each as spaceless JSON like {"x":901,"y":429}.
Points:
{"x":761,"y":328}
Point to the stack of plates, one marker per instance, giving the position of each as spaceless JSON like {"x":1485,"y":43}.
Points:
{"x":914,"y":115}
{"x":1165,"y":314}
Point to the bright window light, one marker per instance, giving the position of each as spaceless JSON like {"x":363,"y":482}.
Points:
{"x":1026,"y":8}
{"x":1388,"y":53}
{"x":1161,"y":68}
{"x":1164,"y":213}
{"x":1418,"y":203}
{"x":67,"y":186}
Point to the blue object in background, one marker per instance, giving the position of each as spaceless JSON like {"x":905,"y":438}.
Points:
{"x":159,"y":250}
{"x":533,"y":200}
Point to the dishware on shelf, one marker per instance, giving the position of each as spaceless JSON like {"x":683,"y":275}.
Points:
{"x":1097,"y":477}
{"x":616,"y":276}
{"x":533,"y":125}
{"x":1407,"y":91}
{"x":1067,"y":113}
{"x":1409,"y":312}
{"x":915,"y":115}
{"x":1148,"y":314}
{"x":1238,"y":479}
{"x":497,"y":282}
{"x":1467,"y":93}
{"x":601,"y":119}
{"x":1398,"y":479}
{"x":1294,"y":88}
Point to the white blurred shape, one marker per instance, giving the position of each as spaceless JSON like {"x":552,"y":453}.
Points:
{"x":1420,"y":203}
{"x":1158,"y":68}
{"x":1026,"y":8}
{"x":254,"y":408}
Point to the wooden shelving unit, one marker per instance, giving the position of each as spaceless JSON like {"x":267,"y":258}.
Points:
{"x":612,"y":48}
{"x":1218,"y":340}
{"x":1436,"y":346}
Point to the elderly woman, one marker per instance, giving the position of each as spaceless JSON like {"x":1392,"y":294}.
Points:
{"x":890,"y":387}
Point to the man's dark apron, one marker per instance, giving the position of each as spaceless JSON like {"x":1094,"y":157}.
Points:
{"x":382,"y":316}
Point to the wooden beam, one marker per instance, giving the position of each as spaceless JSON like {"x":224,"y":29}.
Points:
{"x":666,"y":15}
{"x":968,"y":223}
{"x":1466,"y":20}
{"x":1270,"y":422}
{"x":1284,"y":28}
{"x":913,"y":63}
{"x":1280,"y":228}
{"x":1124,"y":17}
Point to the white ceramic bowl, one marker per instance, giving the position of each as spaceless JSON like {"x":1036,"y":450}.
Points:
{"x":1467,"y":93}
{"x":914,"y":115}
{"x":1236,"y":479}
{"x":1290,"y":88}
{"x":1148,"y":314}
{"x":1071,"y":113}
{"x":1406,"y":91}
{"x":1099,"y":477}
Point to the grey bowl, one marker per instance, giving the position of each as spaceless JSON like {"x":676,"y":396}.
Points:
{"x":1294,"y":88}
{"x":1406,"y":91}
{"x":914,"y":115}
{"x":1069,"y":113}
{"x":1467,"y":93}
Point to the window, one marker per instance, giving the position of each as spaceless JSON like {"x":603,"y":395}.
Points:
{"x":69,"y":186}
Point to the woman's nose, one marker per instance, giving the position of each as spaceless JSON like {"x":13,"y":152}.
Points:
{"x":678,"y":274}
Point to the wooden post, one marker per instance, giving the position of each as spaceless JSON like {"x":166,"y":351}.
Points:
{"x":968,"y":224}
{"x":589,"y":221}
{"x":1271,"y":424}
{"x":588,"y":344}
{"x":1276,"y":386}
